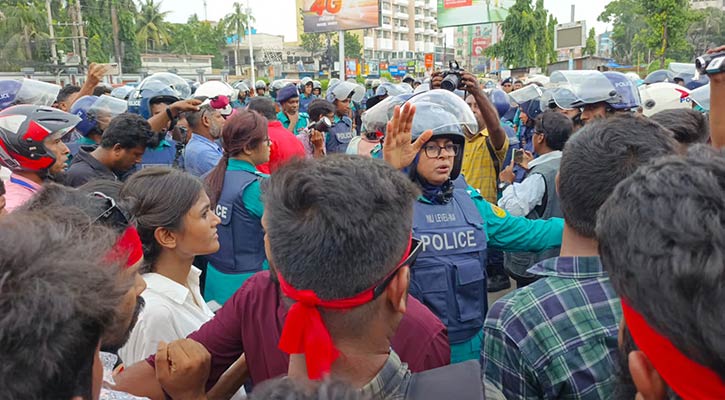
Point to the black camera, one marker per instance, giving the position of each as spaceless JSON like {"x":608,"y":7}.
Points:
{"x":452,"y":77}
{"x":710,"y":63}
{"x":323,"y":125}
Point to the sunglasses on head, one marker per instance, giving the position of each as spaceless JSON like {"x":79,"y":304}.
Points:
{"x":113,"y":213}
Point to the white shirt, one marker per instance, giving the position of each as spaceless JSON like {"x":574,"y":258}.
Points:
{"x":520,"y":198}
{"x":172,"y":312}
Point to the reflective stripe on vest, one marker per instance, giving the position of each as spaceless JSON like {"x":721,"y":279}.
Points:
{"x":449,"y":275}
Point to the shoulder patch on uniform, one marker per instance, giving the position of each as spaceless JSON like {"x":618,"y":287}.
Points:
{"x":498,"y":211}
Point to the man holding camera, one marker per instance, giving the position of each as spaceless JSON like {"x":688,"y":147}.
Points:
{"x":483,"y":156}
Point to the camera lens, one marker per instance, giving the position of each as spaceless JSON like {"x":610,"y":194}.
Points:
{"x":701,"y":63}
{"x":450,"y":82}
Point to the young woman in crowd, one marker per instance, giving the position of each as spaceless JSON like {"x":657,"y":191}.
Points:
{"x":234,"y":189}
{"x":175,"y":221}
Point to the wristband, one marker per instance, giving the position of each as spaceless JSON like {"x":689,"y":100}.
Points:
{"x":169,"y":114}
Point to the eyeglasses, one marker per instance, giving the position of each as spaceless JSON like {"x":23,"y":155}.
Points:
{"x":417,"y":247}
{"x":113,"y":213}
{"x":434,"y":151}
{"x":268,"y":141}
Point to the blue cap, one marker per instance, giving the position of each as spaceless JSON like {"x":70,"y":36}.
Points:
{"x":286,"y":93}
{"x":507,"y":80}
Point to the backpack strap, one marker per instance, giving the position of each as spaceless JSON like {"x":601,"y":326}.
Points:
{"x":462,"y":381}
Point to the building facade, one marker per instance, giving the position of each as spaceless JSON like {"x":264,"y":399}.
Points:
{"x":470,"y":43}
{"x":604,"y":44}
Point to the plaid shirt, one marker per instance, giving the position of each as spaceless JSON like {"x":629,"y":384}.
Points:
{"x":478,"y":167}
{"x":391,"y":383}
{"x":556,"y":338}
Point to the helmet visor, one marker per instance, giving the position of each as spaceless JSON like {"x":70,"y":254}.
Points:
{"x":588,"y":87}
{"x":37,"y":93}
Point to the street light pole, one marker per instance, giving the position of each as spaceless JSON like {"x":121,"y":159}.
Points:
{"x":251,"y":50}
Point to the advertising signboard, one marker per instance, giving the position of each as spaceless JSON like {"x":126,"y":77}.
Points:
{"x":339,"y":15}
{"x":470,"y":12}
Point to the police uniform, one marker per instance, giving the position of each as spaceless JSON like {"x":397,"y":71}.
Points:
{"x":449,"y":275}
{"x":305,"y":102}
{"x":302,"y":121}
{"x":241,"y":237}
{"x":339,"y":136}
{"x":162,"y":155}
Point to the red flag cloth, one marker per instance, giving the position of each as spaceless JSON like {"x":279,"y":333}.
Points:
{"x":305,"y":333}
{"x":127,"y":248}
{"x":689,"y":379}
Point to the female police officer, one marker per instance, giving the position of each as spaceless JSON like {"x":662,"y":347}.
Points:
{"x":454,"y":222}
{"x":236,"y":197}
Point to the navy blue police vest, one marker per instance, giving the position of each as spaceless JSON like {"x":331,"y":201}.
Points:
{"x":339,"y":136}
{"x":163,"y":156}
{"x":449,"y":275}
{"x":241,"y":238}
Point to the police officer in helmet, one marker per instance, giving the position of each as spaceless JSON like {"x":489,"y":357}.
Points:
{"x":341,"y":132}
{"x":260,"y":88}
{"x":453,"y":221}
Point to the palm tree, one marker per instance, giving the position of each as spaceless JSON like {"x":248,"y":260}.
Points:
{"x":151,"y":27}
{"x":25,"y":24}
{"x":236,"y":23}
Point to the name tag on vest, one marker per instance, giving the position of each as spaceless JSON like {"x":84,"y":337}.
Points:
{"x":224,"y":212}
{"x":344,"y":137}
{"x":449,"y":240}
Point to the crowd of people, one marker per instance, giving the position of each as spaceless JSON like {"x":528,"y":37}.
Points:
{"x":230,"y":241}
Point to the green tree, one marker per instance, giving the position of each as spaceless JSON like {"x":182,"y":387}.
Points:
{"x":708,"y":30}
{"x":591,"y":46}
{"x":668,"y":21}
{"x":312,"y":42}
{"x":198,"y":37}
{"x":153,"y":31}
{"x":23,"y":25}
{"x":544,"y":40}
{"x":517,"y":47}
{"x":353,"y":47}
{"x":627,"y":24}
{"x":236,"y":23}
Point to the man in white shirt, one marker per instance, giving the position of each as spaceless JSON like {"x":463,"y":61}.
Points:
{"x":535,"y":197}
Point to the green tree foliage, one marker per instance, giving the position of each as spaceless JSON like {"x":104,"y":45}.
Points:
{"x":591,"y":46}
{"x":668,"y":21}
{"x":198,"y":37}
{"x":353,"y":47}
{"x":235,"y":24}
{"x":658,"y":28}
{"x":707,"y":31}
{"x":527,"y":36}
{"x":153,"y":32}
{"x":23,"y":30}
{"x":312,"y":42}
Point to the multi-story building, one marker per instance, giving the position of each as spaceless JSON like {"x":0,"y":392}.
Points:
{"x":408,"y":30}
{"x":700,"y":4}
{"x":604,"y":44}
{"x":470,"y":43}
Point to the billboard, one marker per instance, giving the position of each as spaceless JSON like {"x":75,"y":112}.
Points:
{"x":470,"y":12}
{"x":570,"y":35}
{"x":339,"y":15}
{"x":481,"y":37}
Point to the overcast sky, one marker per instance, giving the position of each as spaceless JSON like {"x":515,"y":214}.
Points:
{"x":278,"y":16}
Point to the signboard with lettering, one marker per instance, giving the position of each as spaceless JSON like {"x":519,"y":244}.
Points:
{"x":470,"y":12}
{"x":339,"y":15}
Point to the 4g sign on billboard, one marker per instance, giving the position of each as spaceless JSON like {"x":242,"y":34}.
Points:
{"x":340,"y":15}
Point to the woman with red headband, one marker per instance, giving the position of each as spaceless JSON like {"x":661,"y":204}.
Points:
{"x":173,"y":231}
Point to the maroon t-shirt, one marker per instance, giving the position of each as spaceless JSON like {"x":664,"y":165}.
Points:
{"x":251,"y":321}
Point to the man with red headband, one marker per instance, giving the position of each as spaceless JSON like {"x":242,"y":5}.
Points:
{"x":557,"y":338}
{"x":665,"y":259}
{"x":347,"y":301}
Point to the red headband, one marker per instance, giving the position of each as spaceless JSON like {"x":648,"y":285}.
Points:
{"x":688,"y":378}
{"x":305,"y":333}
{"x":127,"y":248}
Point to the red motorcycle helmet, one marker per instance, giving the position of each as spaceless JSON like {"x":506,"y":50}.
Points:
{"x":23,"y":130}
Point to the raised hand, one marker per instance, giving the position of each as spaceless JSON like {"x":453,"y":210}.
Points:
{"x":399,"y":150}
